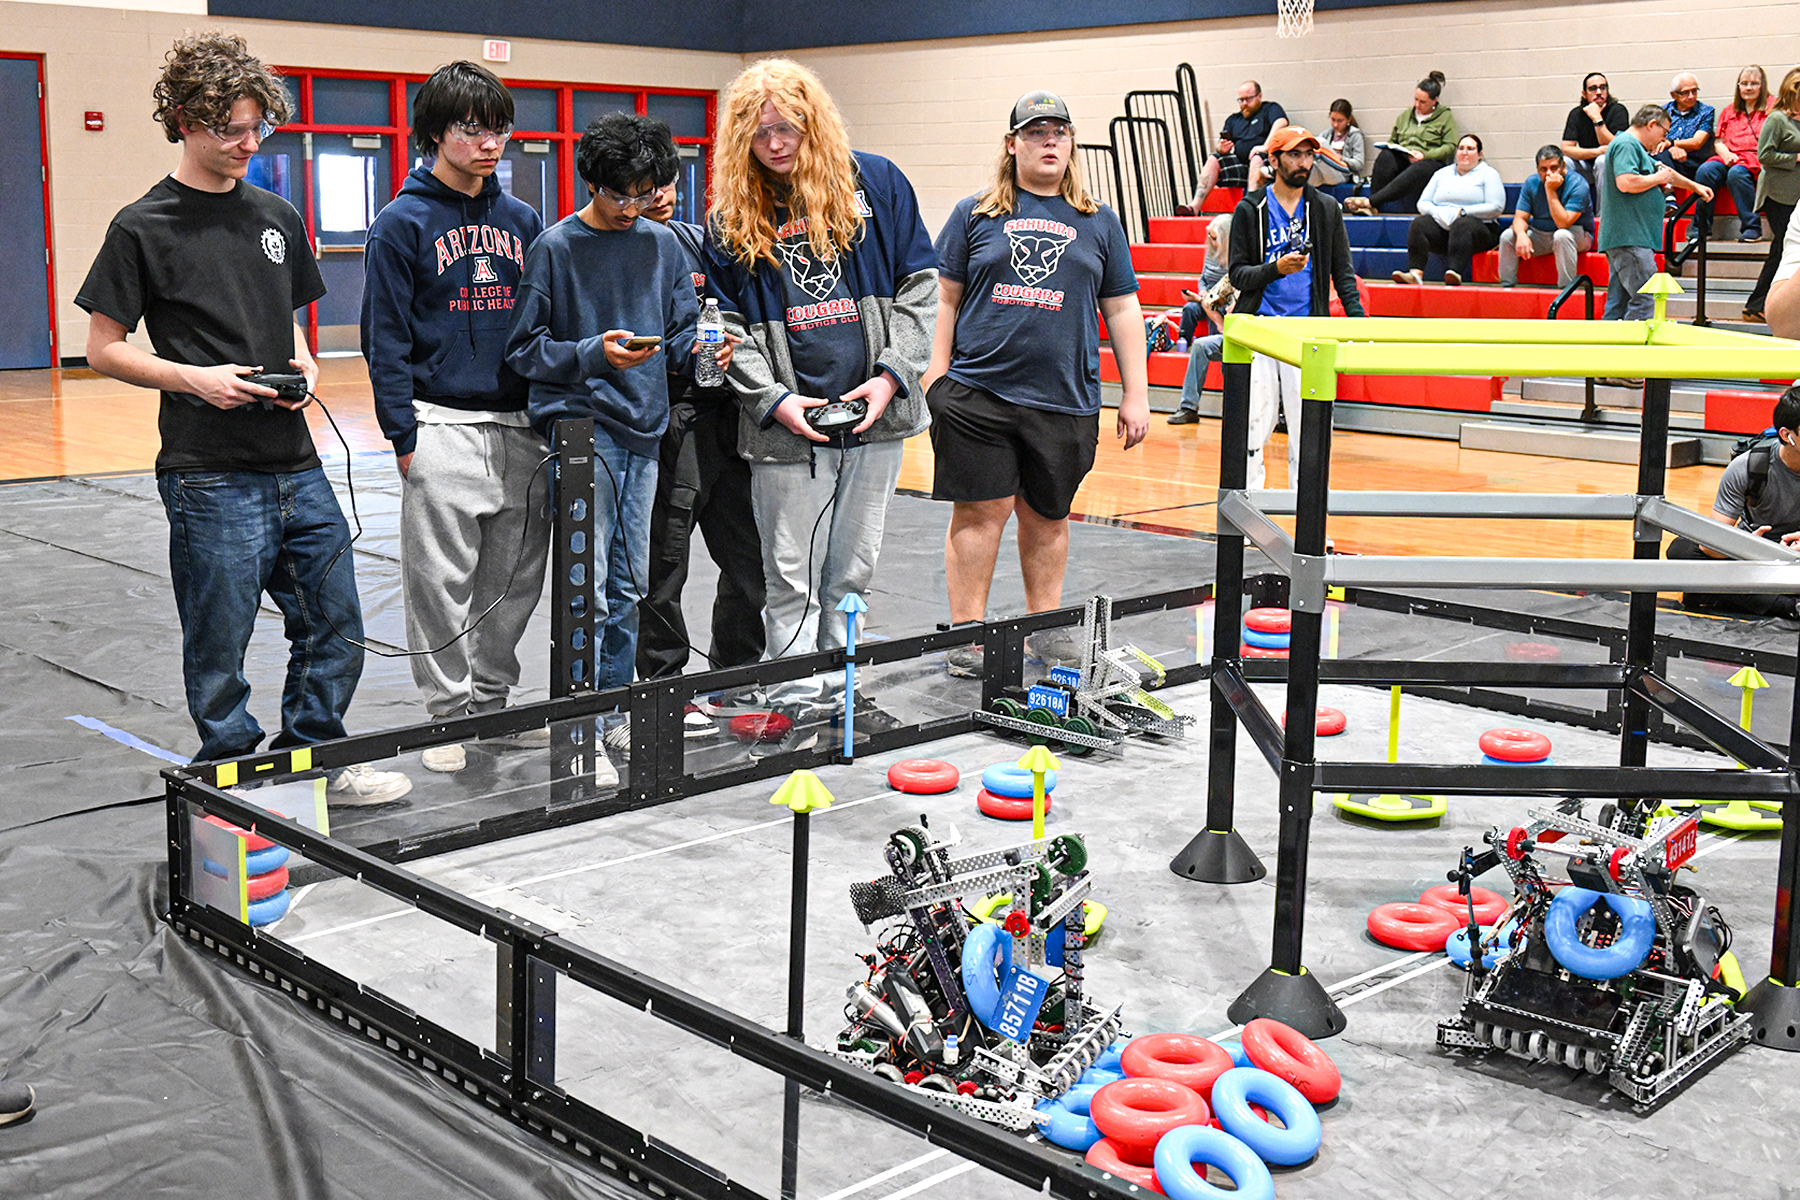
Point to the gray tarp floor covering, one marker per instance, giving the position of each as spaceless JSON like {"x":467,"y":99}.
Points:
{"x":160,"y":1073}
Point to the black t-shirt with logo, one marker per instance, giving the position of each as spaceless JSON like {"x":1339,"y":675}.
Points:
{"x":215,"y":277}
{"x":824,"y":325}
{"x":1026,"y":331}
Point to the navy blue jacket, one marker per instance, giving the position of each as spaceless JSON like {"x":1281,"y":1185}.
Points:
{"x":440,"y":278}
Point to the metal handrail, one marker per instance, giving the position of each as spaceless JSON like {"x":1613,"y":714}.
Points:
{"x":1694,"y":248}
{"x":1160,"y":105}
{"x":1590,"y":410}
{"x":1188,"y":84}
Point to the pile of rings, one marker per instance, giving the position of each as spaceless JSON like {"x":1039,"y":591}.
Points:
{"x":265,"y":875}
{"x":1514,"y":748}
{"x":1267,"y":633}
{"x":1006,"y":792}
{"x":1175,"y":1104}
{"x":1429,"y":924}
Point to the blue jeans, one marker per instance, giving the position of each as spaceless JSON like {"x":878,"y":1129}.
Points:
{"x":1629,"y":268}
{"x":1742,"y":183}
{"x":624,"y":493}
{"x":1201,"y":352}
{"x":232,"y":536}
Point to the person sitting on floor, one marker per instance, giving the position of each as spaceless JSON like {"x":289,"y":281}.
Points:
{"x":1759,"y":493}
{"x":1422,"y":140}
{"x":1456,"y":216}
{"x":1555,"y":215}
{"x":1212,"y":301}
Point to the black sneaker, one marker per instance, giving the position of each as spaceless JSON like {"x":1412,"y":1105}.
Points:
{"x":1184,"y":416}
{"x":17,"y":1102}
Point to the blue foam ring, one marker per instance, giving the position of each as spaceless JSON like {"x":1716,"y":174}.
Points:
{"x":271,"y":910}
{"x":1100,"y":1076}
{"x":1638,"y":929}
{"x":980,"y":982}
{"x":1013,"y":781}
{"x":1064,"y":1121}
{"x":1457,"y":947}
{"x":1490,"y":760}
{"x":256,"y":862}
{"x":1232,"y":1094}
{"x":1179,"y":1149}
{"x":1239,"y":1055}
{"x":1268,"y":641}
{"x":1109,"y":1057}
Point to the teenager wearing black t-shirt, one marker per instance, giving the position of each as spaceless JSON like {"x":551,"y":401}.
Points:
{"x":215,"y":269}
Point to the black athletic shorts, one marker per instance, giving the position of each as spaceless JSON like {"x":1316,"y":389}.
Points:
{"x":988,"y":449}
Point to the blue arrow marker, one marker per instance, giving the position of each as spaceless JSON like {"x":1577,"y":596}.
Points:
{"x":850,"y":606}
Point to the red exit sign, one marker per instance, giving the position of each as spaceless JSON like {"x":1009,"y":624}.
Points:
{"x":495,"y":50}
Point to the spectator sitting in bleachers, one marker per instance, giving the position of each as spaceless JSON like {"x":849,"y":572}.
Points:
{"x":1688,"y":146}
{"x":1422,"y":140}
{"x":1242,"y":137}
{"x":1210,"y":303}
{"x":1740,"y":124}
{"x":1456,"y":216}
{"x":1778,"y":187}
{"x":1590,"y":129}
{"x":1555,"y":215}
{"x":1345,"y":140}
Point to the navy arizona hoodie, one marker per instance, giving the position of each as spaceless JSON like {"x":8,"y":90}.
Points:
{"x":441,"y":276}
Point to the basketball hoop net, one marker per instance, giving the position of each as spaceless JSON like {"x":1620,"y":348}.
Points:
{"x":1294,"y":18}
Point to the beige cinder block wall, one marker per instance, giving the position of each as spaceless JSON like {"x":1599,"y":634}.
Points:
{"x":1514,"y":71}
{"x":107,"y":59}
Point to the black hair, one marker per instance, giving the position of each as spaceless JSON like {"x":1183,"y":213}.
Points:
{"x":1590,"y":75}
{"x":620,"y":151}
{"x":1787,"y":410}
{"x":459,"y":91}
{"x":1433,"y":84}
{"x":1343,"y":107}
{"x":1550,"y":152}
{"x":1473,"y":138}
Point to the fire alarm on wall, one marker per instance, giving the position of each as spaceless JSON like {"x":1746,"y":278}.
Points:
{"x":94,"y":121}
{"x":495,"y":50}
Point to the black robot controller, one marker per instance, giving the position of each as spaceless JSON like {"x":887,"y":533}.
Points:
{"x":836,"y":417}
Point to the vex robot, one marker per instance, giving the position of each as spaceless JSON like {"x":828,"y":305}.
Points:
{"x":952,"y":1005}
{"x":1096,"y":705}
{"x":1616,"y":973}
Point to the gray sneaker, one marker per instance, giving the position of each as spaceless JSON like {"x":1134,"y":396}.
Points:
{"x":362,"y":785}
{"x":17,"y":1102}
{"x":1054,"y":648}
{"x":964,"y":662}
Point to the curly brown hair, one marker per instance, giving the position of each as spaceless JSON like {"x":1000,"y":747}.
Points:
{"x":204,"y":74}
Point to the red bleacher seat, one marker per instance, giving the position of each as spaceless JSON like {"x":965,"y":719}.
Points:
{"x":1164,"y":291}
{"x":1222,"y":200}
{"x":1540,"y":269}
{"x":1168,"y":257}
{"x":1165,"y":370}
{"x":1181,"y":230}
{"x":1480,"y":303}
{"x":1739,"y":412}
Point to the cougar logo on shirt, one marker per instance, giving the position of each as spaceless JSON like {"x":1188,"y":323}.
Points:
{"x":274,"y":245}
{"x":817,"y":279}
{"x":453,"y":244}
{"x":1037,"y":247}
{"x":484,"y":270}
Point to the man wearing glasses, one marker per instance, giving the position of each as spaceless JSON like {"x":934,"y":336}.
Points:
{"x":594,"y":282}
{"x":1243,"y":139}
{"x":215,"y":268}
{"x":1591,"y":127}
{"x":1688,"y":145}
{"x":442,"y":270}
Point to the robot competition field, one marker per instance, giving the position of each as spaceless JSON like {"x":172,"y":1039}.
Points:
{"x":144,"y":1044}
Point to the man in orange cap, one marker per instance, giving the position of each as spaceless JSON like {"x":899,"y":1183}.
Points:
{"x":1288,"y":251}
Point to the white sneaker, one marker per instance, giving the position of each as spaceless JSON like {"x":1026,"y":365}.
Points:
{"x":619,"y":737}
{"x":444,"y":758}
{"x":364,"y":785}
{"x":605,"y":774}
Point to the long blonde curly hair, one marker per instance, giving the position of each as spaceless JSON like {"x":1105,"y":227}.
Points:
{"x":822,"y":185}
{"x":1002,"y":196}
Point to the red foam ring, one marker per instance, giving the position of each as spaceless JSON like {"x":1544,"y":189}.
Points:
{"x":1286,"y":1053}
{"x":1193,"y":1062}
{"x":1515,"y":745}
{"x":1269,"y":620}
{"x":252,"y":841}
{"x":1532,"y":652}
{"x":1007,"y":808}
{"x":1412,"y":926}
{"x":1488,"y":905}
{"x":1246,"y":650}
{"x":1104,"y":1155}
{"x":923,"y":776}
{"x":261,"y":887}
{"x":760,"y":727}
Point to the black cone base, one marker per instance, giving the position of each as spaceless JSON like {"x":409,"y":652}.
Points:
{"x":1777,"y":1014}
{"x":1218,"y":857}
{"x":1297,"y":1001}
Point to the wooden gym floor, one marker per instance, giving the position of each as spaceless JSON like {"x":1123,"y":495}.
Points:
{"x":75,"y":422}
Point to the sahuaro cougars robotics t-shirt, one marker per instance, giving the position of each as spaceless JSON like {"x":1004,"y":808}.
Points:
{"x":1026,"y":331}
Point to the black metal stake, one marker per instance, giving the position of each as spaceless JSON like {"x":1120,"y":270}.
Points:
{"x":1287,"y":991}
{"x":796,"y":1014}
{"x":1218,"y":853}
{"x":1640,"y":629}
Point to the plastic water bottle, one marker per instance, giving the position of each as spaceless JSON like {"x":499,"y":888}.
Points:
{"x":709,"y":336}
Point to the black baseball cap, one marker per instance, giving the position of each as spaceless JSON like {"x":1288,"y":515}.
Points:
{"x":1035,"y":106}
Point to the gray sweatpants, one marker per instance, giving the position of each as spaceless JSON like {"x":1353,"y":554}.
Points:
{"x":468,"y":533}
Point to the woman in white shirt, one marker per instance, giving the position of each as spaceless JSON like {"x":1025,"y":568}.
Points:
{"x":1456,"y":216}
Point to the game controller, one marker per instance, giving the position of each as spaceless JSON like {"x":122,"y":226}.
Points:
{"x":288,"y":387}
{"x":836,"y":417}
